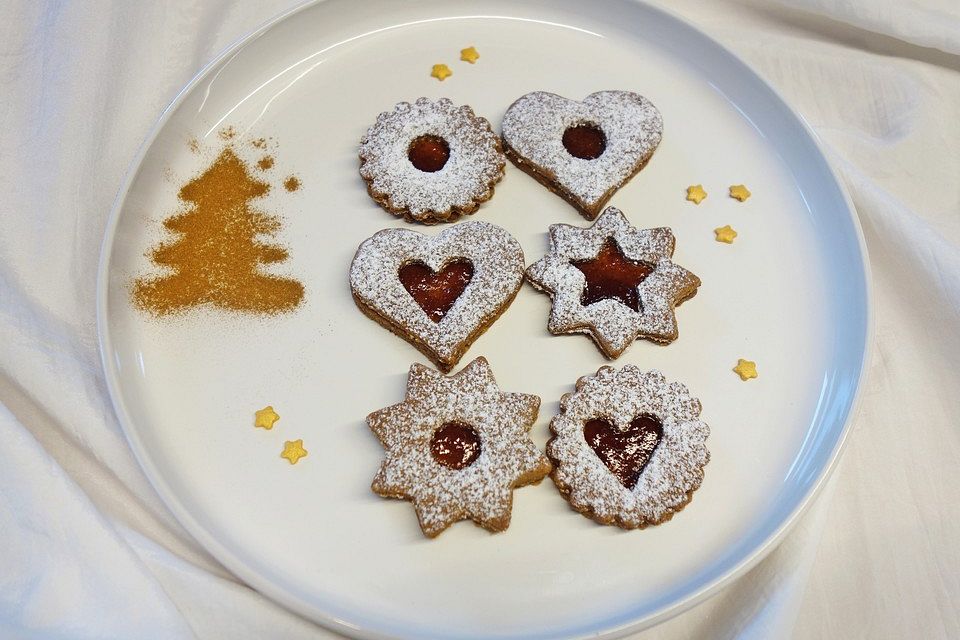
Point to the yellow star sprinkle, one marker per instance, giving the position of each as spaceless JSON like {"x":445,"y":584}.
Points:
{"x":265,"y":418}
{"x":469,"y":55}
{"x":725,"y":234}
{"x":746,"y":369}
{"x":441,"y":72}
{"x":739,"y":192}
{"x":293,"y":450}
{"x":696,"y":194}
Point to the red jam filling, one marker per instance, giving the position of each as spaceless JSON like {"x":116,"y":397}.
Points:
{"x":611,"y":275}
{"x":455,"y":445}
{"x":436,"y":291}
{"x":585,"y":141}
{"x":625,"y":453}
{"x":429,"y":153}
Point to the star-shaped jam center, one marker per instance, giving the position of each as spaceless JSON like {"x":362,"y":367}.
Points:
{"x":612,"y":276}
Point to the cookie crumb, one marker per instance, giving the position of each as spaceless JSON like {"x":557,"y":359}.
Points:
{"x":725,"y":234}
{"x":746,"y":369}
{"x":441,"y":72}
{"x":259,"y":143}
{"x":227,"y":133}
{"x":292,"y":183}
{"x":469,"y":55}
{"x":739,"y":192}
{"x":265,"y":163}
{"x":696,"y":194}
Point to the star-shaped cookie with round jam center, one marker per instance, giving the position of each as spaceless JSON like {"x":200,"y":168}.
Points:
{"x":457,"y":447}
{"x":613,"y":281}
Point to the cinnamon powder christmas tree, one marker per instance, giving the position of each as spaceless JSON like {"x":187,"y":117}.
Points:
{"x":220,"y":246}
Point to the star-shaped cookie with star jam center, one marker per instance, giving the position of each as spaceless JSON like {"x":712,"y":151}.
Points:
{"x":457,"y":447}
{"x":613,"y":281}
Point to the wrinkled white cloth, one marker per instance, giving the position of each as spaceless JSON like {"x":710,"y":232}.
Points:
{"x":87,"y":550}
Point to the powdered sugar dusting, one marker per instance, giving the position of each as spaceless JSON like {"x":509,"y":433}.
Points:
{"x":613,"y":325}
{"x":483,"y":490}
{"x":533,"y":130}
{"x":475,"y":164}
{"x":674,"y":470}
{"x":497,"y":275}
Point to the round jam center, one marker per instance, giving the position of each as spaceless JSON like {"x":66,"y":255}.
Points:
{"x":585,"y":141}
{"x":455,"y":445}
{"x":429,"y":153}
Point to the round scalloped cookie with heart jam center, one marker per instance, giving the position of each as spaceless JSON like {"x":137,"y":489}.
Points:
{"x":582,"y":151}
{"x":430,"y":161}
{"x":628,"y":447}
{"x":439,"y":293}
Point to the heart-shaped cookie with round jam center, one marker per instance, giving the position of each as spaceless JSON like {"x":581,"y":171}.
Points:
{"x":582,"y":151}
{"x":438,"y":292}
{"x":625,"y":453}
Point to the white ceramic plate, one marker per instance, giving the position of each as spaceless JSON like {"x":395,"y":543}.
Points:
{"x":791,"y":294}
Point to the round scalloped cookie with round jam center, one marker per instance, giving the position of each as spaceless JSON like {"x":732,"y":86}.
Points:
{"x":431,"y":161}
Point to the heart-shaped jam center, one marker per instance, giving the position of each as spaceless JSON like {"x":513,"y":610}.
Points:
{"x":429,"y":153}
{"x":584,"y":141}
{"x":455,"y":445}
{"x":436,"y":291}
{"x":625,"y":453}
{"x":611,"y":275}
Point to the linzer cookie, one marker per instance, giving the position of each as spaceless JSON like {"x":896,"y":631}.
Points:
{"x":457,"y":447}
{"x":438,"y":292}
{"x":628,"y":447}
{"x":613,"y":281}
{"x":582,"y":151}
{"x":430,"y":161}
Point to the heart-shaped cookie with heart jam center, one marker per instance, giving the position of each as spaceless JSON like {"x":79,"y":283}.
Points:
{"x":583,"y":151}
{"x":438,"y":292}
{"x":625,"y":453}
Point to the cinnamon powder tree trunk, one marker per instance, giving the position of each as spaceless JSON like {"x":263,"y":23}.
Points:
{"x":216,"y":257}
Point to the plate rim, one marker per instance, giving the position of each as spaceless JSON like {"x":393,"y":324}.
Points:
{"x":284,"y":597}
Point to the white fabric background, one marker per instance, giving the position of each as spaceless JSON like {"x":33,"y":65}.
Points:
{"x":88,"y":551}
